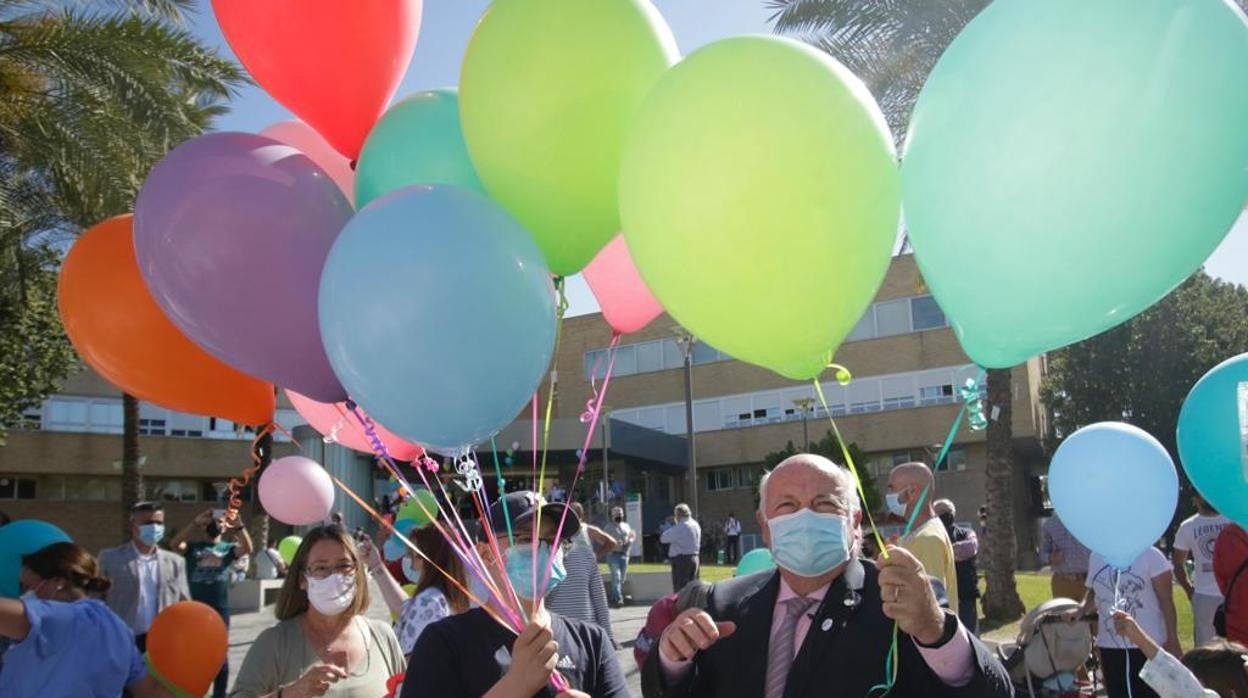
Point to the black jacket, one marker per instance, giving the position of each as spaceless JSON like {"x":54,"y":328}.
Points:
{"x":968,"y":576}
{"x":842,"y":655}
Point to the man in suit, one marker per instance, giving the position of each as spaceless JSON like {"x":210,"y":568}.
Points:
{"x":822,"y":624}
{"x":145,"y":579}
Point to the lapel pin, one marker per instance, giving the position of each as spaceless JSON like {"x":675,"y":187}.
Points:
{"x":827,"y":625}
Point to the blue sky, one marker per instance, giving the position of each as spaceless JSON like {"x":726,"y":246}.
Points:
{"x":447,"y":24}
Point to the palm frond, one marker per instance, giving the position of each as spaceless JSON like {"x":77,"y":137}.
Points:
{"x":176,"y":11}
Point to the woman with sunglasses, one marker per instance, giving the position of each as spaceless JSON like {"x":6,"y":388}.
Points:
{"x":323,"y":645}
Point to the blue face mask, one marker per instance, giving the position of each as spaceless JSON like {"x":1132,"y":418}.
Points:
{"x":893,"y":501}
{"x":412,"y":574}
{"x":520,"y":568}
{"x":807,"y":543}
{"x":152,"y":533}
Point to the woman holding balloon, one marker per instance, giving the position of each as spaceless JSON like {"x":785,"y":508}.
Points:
{"x":65,"y":642}
{"x":322,"y":646}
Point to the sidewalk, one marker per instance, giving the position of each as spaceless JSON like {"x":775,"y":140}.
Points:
{"x":626,"y":622}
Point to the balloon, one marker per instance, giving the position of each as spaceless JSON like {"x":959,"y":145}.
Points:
{"x":1115,"y":488}
{"x":1069,"y":163}
{"x":548,"y":91}
{"x":187,"y":645}
{"x":418,"y":141}
{"x":287,"y":548}
{"x":1213,"y":438}
{"x":296,"y":491}
{"x":18,"y":539}
{"x":231,"y":231}
{"x":306,"y":140}
{"x":122,"y":334}
{"x":394,"y":547}
{"x":757,"y":560}
{"x":476,"y":332}
{"x":415,"y":507}
{"x":336,"y":421}
{"x":766,"y":242}
{"x":334,"y":64}
{"x":626,"y":302}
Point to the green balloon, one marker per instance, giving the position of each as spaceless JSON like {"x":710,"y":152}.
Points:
{"x":760,"y":199}
{"x":417,"y":141}
{"x":1070,"y":162}
{"x":548,"y":90}
{"x":414,"y":508}
{"x":288,"y":547}
{"x":757,"y":560}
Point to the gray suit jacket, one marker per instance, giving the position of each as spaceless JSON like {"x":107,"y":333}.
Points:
{"x":120,"y":566}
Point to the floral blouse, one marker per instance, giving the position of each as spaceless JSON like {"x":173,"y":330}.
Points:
{"x":429,"y":606}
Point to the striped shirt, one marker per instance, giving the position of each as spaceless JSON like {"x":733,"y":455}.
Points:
{"x":1054,"y":538}
{"x":582,"y":595}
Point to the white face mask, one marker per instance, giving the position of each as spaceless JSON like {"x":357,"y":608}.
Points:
{"x":331,"y":595}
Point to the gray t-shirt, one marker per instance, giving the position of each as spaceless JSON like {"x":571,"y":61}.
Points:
{"x":684,"y":538}
{"x":619,"y":531}
{"x":281,"y":654}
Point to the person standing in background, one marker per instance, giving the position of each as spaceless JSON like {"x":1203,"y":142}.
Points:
{"x":1067,"y":557}
{"x":1230,"y":567}
{"x":617,"y":559}
{"x":1195,"y":540}
{"x":965,"y":550}
{"x":145,"y":579}
{"x":582,"y":595}
{"x":911,"y":488}
{"x":732,"y":536}
{"x":684,"y":540}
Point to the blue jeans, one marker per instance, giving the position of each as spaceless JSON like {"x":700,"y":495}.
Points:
{"x":618,"y":564}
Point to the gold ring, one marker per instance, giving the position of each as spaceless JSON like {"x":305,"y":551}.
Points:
{"x":896,"y":594}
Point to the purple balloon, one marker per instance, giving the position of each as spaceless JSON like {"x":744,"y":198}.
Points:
{"x":231,"y":231}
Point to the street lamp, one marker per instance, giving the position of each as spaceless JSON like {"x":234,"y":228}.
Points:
{"x":807,"y":406}
{"x":604,"y":416}
{"x":686,"y":343}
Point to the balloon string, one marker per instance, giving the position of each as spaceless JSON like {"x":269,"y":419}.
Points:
{"x":550,"y":404}
{"x":502,"y":491}
{"x":591,"y":416}
{"x":238,"y":483}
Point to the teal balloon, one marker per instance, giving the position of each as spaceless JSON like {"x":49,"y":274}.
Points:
{"x":417,"y":141}
{"x":757,"y":560}
{"x":1213,"y":438}
{"x":1070,"y":162}
{"x":394,"y":547}
{"x":438,"y":314}
{"x":19,"y":539}
{"x":1115,"y":488}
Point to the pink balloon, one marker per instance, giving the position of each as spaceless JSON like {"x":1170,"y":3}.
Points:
{"x":335,"y":419}
{"x":306,"y":140}
{"x":626,"y":301}
{"x":296,"y":491}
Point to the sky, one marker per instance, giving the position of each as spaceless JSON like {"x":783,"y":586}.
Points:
{"x":447,"y":24}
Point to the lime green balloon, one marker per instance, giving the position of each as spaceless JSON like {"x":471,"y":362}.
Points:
{"x":417,"y":141}
{"x":1070,"y":162}
{"x":760,"y":198}
{"x":548,"y":91}
{"x":288,"y":547}
{"x":414,"y":508}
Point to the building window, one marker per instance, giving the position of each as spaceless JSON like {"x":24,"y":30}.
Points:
{"x":746,"y":478}
{"x":52,"y":488}
{"x":892,"y":318}
{"x":865,"y":329}
{"x":955,"y":459}
{"x":926,"y":314}
{"x":719,"y":480}
{"x":935,"y":395}
{"x":100,"y":489}
{"x":17,"y":487}
{"x":172,"y":490}
{"x":32,"y":420}
{"x":152,"y":427}
{"x":902,"y":457}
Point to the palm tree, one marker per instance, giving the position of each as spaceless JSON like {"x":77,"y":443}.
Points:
{"x":91,"y":96}
{"x":892,"y":45}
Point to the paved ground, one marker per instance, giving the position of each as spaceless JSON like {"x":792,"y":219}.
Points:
{"x":626,"y":622}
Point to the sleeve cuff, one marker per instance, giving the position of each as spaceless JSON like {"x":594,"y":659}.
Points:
{"x":673,"y":671}
{"x":952,"y":658}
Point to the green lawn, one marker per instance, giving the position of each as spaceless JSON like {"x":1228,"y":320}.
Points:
{"x":1032,"y":587}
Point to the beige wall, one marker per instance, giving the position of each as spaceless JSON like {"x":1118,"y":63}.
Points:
{"x":65,"y":453}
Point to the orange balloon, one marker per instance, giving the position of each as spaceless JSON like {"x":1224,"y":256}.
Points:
{"x":118,"y":329}
{"x":187,"y":645}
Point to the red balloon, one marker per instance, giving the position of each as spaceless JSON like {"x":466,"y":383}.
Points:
{"x":335,"y":64}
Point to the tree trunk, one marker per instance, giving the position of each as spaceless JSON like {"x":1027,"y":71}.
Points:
{"x":260,"y":521}
{"x":1001,"y":600}
{"x":131,"y":478}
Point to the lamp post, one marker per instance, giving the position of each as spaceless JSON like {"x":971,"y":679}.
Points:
{"x":806,"y":405}
{"x":686,"y":342}
{"x":604,"y":416}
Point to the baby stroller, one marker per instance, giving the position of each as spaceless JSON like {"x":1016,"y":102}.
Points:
{"x":1049,"y":652}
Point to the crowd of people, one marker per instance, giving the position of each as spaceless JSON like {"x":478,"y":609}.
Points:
{"x":824,"y":617}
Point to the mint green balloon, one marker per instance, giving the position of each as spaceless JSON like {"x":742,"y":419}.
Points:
{"x":760,"y":198}
{"x":548,"y":92}
{"x":1069,"y":162}
{"x":417,"y":141}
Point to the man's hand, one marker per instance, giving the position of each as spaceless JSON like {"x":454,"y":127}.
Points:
{"x":691,"y":632}
{"x":908,"y":597}
{"x":533,"y":658}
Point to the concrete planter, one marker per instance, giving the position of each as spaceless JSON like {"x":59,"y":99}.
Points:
{"x":644,"y":587}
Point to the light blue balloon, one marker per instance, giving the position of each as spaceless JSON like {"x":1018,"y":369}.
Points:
{"x":417,"y":141}
{"x":394,"y":548}
{"x":23,"y":538}
{"x":438,"y":314}
{"x":1213,"y":437}
{"x":1115,"y":488}
{"x":757,"y":560}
